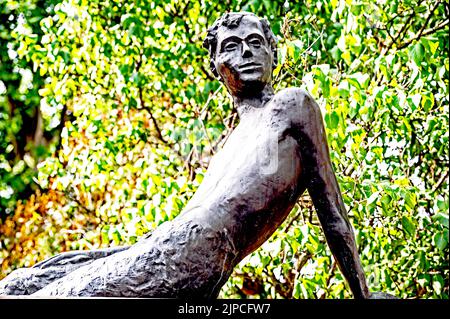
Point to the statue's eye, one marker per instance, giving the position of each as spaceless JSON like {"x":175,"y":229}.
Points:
{"x":255,"y":42}
{"x":231,"y":46}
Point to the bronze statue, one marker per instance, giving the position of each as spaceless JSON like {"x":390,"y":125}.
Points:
{"x":278,"y":150}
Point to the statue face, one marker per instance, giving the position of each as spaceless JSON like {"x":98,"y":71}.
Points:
{"x":244,"y":58}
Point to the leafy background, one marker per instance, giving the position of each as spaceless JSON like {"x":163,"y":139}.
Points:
{"x":109,"y":116}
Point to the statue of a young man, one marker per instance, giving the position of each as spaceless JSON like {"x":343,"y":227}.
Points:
{"x":278,"y":150}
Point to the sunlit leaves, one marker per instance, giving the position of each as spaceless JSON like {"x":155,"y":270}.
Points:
{"x":417,"y":53}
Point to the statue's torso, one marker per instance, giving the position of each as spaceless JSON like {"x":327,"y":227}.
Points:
{"x":253,"y":181}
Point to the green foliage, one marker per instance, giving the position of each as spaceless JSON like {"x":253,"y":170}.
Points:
{"x":133,"y":116}
{"x":24,"y":139}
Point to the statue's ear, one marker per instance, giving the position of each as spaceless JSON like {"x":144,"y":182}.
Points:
{"x":208,"y":44}
{"x":214,"y":70}
{"x":273,"y":45}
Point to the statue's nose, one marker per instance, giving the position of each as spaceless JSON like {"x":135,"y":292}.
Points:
{"x":246,"y":52}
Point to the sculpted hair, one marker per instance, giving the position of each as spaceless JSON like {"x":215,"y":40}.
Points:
{"x":232,"y":20}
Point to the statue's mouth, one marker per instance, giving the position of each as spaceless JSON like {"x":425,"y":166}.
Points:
{"x":250,"y":67}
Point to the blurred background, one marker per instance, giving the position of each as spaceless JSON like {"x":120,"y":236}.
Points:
{"x":109,"y":115}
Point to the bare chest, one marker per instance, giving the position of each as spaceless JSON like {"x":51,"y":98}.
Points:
{"x":258,"y":158}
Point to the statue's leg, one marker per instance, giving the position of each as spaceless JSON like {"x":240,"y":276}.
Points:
{"x":180,"y":259}
{"x":326,"y":195}
{"x":26,"y":281}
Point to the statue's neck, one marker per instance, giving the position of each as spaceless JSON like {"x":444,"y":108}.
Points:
{"x":245,"y":104}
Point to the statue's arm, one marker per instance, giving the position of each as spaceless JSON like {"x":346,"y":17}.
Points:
{"x":324,"y":190}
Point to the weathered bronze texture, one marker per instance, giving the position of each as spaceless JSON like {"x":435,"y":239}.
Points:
{"x":278,"y":150}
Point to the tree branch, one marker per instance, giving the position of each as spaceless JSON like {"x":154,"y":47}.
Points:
{"x":155,"y":123}
{"x":301,"y":262}
{"x":424,"y":33}
{"x":404,"y":27}
{"x":439,"y":183}
{"x":428,"y":19}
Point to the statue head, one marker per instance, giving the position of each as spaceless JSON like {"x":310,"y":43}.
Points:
{"x":242,"y":50}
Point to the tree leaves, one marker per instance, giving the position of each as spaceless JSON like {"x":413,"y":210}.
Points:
{"x":409,"y":226}
{"x":440,"y":240}
{"x":417,"y":53}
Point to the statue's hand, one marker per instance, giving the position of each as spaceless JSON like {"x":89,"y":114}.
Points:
{"x":381,"y":295}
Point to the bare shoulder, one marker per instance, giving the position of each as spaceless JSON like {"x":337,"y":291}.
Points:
{"x":294,"y":106}
{"x":291,"y":99}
